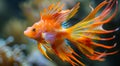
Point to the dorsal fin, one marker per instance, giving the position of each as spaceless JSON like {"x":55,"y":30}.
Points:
{"x":73,"y":11}
{"x":51,"y":10}
{"x":54,"y":11}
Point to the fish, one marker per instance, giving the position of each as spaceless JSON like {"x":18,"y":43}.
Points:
{"x":51,"y":35}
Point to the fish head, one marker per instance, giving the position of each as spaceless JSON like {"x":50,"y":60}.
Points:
{"x":33,"y":31}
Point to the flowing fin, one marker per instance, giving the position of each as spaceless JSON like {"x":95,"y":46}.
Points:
{"x":73,"y":11}
{"x":103,"y":46}
{"x":94,"y":12}
{"x":55,"y":12}
{"x":43,"y":51}
{"x":86,"y":31}
{"x":48,"y":13}
{"x":92,"y":9}
{"x":100,"y":55}
{"x":90,"y":22}
{"x":66,"y":53}
{"x":98,"y":31}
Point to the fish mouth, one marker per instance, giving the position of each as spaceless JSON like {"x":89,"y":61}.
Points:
{"x":29,"y":34}
{"x":26,"y":33}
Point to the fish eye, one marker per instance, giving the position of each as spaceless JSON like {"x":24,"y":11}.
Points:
{"x":34,"y":29}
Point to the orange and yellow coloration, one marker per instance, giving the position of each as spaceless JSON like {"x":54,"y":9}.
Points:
{"x":51,"y":35}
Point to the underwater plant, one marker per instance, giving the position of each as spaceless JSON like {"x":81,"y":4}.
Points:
{"x":50,"y":34}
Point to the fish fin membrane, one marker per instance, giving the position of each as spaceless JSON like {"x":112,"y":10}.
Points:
{"x":86,"y":31}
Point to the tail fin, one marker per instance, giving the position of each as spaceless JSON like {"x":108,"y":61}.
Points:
{"x":87,"y":30}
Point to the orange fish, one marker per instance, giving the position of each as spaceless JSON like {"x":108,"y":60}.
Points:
{"x":51,"y":36}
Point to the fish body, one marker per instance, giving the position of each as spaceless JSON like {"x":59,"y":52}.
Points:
{"x":50,"y":34}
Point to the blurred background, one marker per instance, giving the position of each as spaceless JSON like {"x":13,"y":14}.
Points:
{"x":18,"y":50}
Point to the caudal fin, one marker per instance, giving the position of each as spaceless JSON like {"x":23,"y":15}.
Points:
{"x":86,"y":31}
